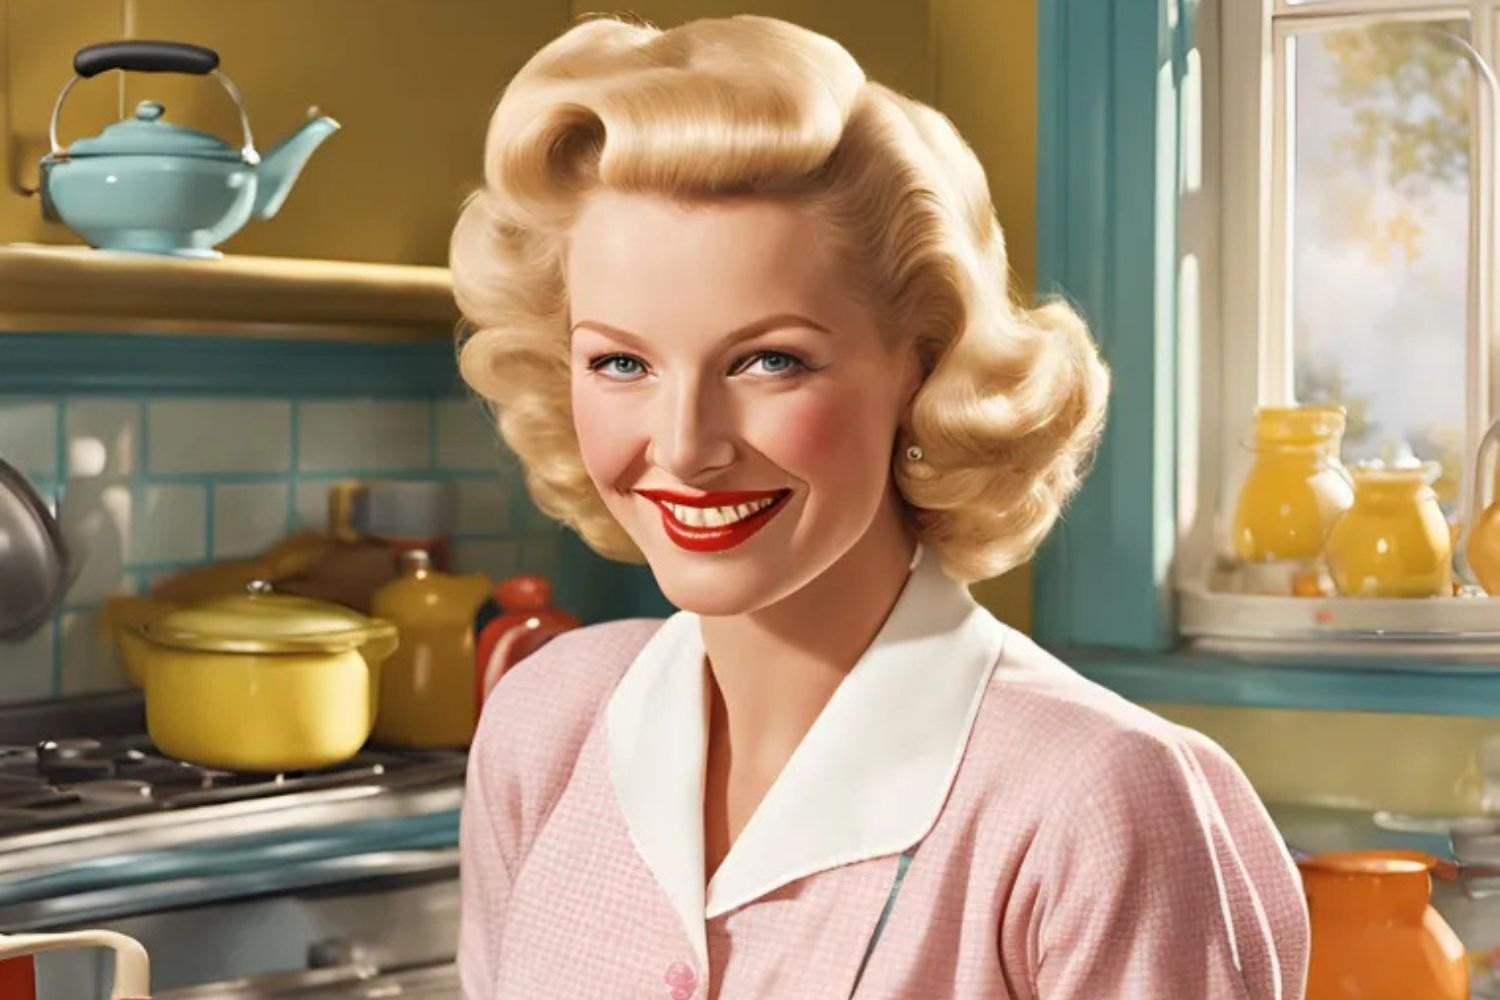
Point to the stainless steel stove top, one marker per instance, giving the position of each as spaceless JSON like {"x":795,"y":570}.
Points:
{"x":99,"y":829}
{"x":63,"y":782}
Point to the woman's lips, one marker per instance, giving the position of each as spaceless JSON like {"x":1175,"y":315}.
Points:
{"x":713,"y":522}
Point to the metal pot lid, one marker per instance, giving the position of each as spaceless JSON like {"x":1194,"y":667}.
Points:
{"x":259,"y":621}
{"x":147,"y":134}
{"x":33,"y":557}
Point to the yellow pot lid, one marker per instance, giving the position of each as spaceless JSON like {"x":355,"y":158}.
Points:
{"x":259,"y":621}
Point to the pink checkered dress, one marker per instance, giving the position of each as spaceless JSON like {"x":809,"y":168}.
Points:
{"x":968,"y":818}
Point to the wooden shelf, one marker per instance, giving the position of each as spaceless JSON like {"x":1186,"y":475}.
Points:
{"x":52,"y":289}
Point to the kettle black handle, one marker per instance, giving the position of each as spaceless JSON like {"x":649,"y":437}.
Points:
{"x":145,"y":57}
{"x":150,"y":57}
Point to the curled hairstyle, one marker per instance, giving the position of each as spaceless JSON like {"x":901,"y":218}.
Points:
{"x":1013,"y":398}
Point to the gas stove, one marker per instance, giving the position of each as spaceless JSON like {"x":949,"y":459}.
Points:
{"x":225,"y":877}
{"x":81,"y":780}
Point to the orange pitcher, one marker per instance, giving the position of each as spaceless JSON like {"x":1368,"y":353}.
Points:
{"x":1375,"y":933}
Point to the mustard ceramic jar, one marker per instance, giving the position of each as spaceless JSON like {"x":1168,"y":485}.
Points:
{"x":1297,"y":487}
{"x":260,"y":681}
{"x":427,"y":686}
{"x":1394,"y":541}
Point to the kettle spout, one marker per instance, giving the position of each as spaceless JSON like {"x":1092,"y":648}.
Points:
{"x":279,"y":168}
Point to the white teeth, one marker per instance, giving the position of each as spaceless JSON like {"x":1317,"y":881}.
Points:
{"x":716,"y":517}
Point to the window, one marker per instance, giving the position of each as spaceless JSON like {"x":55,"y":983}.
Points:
{"x":1346,"y":235}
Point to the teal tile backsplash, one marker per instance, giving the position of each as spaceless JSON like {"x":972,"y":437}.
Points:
{"x":186,"y":449}
{"x":28,"y":436}
{"x":159,"y":483}
{"x":194,"y":437}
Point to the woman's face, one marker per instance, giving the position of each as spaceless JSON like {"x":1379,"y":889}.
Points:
{"x":735,"y":408}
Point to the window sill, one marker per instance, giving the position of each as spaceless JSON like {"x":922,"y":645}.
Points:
{"x":1459,"y":629}
{"x":56,"y":289}
{"x":1419,"y":685}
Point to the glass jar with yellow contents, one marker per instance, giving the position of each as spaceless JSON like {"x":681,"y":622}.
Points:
{"x":1394,"y":541}
{"x":1296,"y":490}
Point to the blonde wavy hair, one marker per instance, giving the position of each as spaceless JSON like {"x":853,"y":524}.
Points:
{"x":1013,"y":399}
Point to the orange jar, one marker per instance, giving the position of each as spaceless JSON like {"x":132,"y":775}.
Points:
{"x":1297,"y":487}
{"x":1375,"y":933}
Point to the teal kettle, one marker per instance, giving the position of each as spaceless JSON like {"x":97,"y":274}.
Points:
{"x":148,"y":186}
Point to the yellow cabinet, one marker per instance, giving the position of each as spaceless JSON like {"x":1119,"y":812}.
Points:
{"x":36,"y":58}
{"x":411,"y":83}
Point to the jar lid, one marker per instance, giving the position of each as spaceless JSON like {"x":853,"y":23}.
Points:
{"x":259,"y":621}
{"x":1372,"y":862}
{"x":1299,"y":423}
{"x":1376,"y":472}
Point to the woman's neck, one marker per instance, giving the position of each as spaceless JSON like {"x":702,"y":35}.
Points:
{"x":773,"y":670}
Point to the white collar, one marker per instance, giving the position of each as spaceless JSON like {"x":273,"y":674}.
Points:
{"x":867,"y":780}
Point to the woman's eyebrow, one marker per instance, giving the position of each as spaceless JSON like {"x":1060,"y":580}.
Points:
{"x":764,"y":325}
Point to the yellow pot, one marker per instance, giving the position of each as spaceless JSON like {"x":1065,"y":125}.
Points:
{"x":118,"y":620}
{"x":260,"y":681}
{"x":1394,"y":541}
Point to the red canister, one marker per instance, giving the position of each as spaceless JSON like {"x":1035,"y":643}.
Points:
{"x":526,"y":622}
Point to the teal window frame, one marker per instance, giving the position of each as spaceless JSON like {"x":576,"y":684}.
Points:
{"x":1108,"y":140}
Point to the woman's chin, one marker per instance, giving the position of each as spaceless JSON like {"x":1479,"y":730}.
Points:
{"x":715,"y":590}
{"x":711,"y":602}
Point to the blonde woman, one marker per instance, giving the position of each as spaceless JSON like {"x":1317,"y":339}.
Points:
{"x":744,"y":315}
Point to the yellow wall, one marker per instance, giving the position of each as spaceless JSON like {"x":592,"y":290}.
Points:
{"x":985,"y":69}
{"x":413,"y":83}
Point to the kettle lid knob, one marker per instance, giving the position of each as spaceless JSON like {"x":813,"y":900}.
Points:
{"x":148,"y":111}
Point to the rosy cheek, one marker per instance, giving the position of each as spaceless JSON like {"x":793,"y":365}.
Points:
{"x":811,"y":436}
{"x":605,"y":432}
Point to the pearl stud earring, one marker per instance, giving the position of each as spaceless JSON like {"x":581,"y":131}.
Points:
{"x":914,"y":453}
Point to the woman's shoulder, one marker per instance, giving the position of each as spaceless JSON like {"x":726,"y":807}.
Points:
{"x":579,"y":660}
{"x":1051,"y":721}
{"x":1031,"y":687}
{"x":559,"y":689}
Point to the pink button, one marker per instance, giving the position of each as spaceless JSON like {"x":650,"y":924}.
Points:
{"x":681,"y":980}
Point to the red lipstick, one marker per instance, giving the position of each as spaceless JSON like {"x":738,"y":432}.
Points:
{"x":727,"y":517}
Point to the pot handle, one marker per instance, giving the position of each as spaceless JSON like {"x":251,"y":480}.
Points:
{"x":132,"y":968}
{"x":151,"y":57}
{"x":376,"y":650}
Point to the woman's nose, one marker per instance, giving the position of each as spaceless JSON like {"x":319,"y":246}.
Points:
{"x":692,"y":436}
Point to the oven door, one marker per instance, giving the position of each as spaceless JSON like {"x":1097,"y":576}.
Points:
{"x":432,"y":982}
{"x":343,"y":928}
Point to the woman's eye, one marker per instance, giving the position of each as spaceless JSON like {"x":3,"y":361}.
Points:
{"x":619,"y":367}
{"x":773,"y":363}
